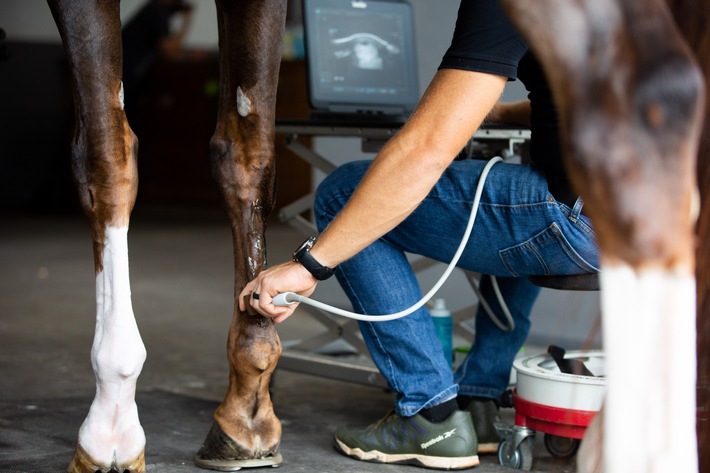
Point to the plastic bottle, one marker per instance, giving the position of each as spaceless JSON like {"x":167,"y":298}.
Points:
{"x":441,"y":316}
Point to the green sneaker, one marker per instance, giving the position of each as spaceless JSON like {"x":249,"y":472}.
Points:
{"x":447,"y":445}
{"x":485,"y":414}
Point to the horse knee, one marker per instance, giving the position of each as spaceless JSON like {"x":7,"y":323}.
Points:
{"x":670,"y":99}
{"x":106,"y":173}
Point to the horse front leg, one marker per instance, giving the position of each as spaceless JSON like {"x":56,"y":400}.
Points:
{"x":104,"y":166}
{"x":246,"y":432}
{"x":629,"y":96}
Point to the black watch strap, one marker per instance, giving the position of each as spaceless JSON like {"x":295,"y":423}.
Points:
{"x":303,"y":255}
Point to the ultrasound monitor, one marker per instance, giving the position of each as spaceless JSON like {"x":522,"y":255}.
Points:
{"x":361,"y":56}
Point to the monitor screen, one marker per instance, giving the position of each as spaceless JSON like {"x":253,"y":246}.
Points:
{"x":361,"y":54}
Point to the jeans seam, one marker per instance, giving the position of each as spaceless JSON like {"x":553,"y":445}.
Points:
{"x":571,"y":252}
{"x":515,"y":206}
{"x":540,"y":259}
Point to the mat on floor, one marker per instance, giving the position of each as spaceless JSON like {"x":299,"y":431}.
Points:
{"x":40,"y":436}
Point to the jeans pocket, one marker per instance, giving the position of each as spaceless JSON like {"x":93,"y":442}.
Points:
{"x":548,"y":252}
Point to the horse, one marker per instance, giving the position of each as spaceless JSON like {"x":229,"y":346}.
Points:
{"x":245,"y":431}
{"x":629,"y":77}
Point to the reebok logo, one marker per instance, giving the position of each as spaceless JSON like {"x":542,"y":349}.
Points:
{"x":438,"y":439}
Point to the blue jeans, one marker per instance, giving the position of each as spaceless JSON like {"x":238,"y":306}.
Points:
{"x":520,"y":230}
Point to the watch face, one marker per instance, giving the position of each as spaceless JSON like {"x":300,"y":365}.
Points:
{"x":306,"y":245}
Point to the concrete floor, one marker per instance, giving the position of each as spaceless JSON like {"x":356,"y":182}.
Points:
{"x":182,"y":285}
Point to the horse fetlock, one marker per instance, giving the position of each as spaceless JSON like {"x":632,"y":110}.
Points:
{"x":259,"y":352}
{"x":119,"y":362}
{"x":263,"y":354}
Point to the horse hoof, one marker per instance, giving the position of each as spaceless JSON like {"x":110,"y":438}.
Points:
{"x":221,"y":453}
{"x":83,"y":463}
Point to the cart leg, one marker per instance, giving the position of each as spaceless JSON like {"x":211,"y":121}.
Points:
{"x":516,"y":447}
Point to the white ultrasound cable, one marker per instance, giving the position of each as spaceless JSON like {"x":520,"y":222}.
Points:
{"x":288,"y":298}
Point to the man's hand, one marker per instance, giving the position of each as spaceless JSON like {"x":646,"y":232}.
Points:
{"x":290,"y":276}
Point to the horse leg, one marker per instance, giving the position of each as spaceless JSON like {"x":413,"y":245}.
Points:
{"x":104,"y":166}
{"x":246,"y":431}
{"x":629,"y":95}
{"x":692,"y":17}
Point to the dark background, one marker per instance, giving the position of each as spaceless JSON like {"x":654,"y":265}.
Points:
{"x":173,"y":116}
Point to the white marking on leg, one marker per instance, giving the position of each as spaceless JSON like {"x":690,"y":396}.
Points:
{"x":112,"y":431}
{"x":121,"y":95}
{"x":695,"y":205}
{"x":243,"y":103}
{"x":649,"y":337}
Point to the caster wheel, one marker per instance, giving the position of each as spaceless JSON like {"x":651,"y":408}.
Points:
{"x":561,"y":447}
{"x":520,"y":458}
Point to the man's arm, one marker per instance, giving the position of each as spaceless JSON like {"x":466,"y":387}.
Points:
{"x":399,"y":178}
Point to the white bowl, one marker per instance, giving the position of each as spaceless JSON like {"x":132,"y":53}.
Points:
{"x":539,"y":380}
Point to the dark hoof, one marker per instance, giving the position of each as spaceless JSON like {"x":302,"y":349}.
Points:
{"x":221,"y":453}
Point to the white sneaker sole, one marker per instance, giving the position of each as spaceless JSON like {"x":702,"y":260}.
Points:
{"x":439,"y":463}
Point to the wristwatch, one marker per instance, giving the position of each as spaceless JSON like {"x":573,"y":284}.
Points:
{"x":304,"y":256}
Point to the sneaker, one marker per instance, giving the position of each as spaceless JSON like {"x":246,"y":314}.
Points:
{"x":485,"y":415}
{"x":447,"y":445}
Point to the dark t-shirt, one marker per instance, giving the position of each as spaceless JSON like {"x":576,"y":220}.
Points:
{"x":485,"y":41}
